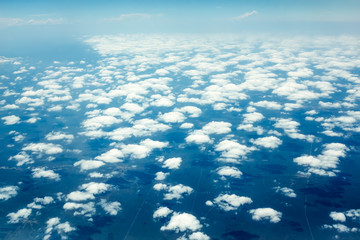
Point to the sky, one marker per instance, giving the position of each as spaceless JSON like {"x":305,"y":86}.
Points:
{"x":159,"y":16}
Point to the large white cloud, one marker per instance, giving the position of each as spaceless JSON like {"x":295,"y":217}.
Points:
{"x":111,"y":208}
{"x":19,"y":216}
{"x":268,"y":142}
{"x":172,"y":163}
{"x":229,"y":172}
{"x":43,"y":173}
{"x":232,"y":151}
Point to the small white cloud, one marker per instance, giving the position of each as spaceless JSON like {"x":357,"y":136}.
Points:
{"x":42,"y":173}
{"x":198,"y":236}
{"x":172,"y":117}
{"x":268,"y":142}
{"x":177,"y":192}
{"x":111,"y":208}
{"x":286,"y":191}
{"x":53,"y":136}
{"x":111,"y":156}
{"x":198,"y":137}
{"x":187,"y":125}
{"x":53,"y":224}
{"x":229,"y":202}
{"x":22,"y":158}
{"x":87,"y":209}
{"x":80,"y":196}
{"x":89,"y":164}
{"x":266,"y":214}
{"x":20,"y":215}
{"x":11,"y":120}
{"x":338,"y":216}
{"x":267,"y":105}
{"x":160,"y":176}
{"x":181,"y":222}
{"x":172,"y":163}
{"x":217,"y":128}
{"x":231,"y":151}
{"x":95,"y":188}
{"x":229,"y":172}
{"x":8,"y":192}
{"x":46,"y":148}
{"x":162,"y":212}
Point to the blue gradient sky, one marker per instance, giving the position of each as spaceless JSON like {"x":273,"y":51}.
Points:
{"x":254,"y":16}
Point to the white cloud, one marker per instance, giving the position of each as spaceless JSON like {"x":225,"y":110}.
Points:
{"x":290,"y":127}
{"x":245,"y":15}
{"x":267,"y":105}
{"x":172,"y":163}
{"x":112,"y":156}
{"x":229,"y":172}
{"x":143,"y":149}
{"x":95,"y":188}
{"x":252,"y":117}
{"x":231,"y":151}
{"x":46,"y":148}
{"x":187,"y":125}
{"x":191,"y":110}
{"x":326,"y":162}
{"x":338,"y":216}
{"x":198,"y":137}
{"x":286,"y":191}
{"x":8,"y":192}
{"x":111,"y":208}
{"x":266,"y":214}
{"x":80,"y":196}
{"x":161,"y":176}
{"x":229,"y":202}
{"x":268,"y":142}
{"x":127,"y":16}
{"x":177,"y":192}
{"x":181,"y":222}
{"x":59,"y":136}
{"x":11,"y":120}
{"x":100,"y":121}
{"x":20,"y":215}
{"x":172,"y":117}
{"x":198,"y":236}
{"x":22,"y":158}
{"x":162,"y":212}
{"x":160,"y":186}
{"x":89,"y":164}
{"x":217,"y":128}
{"x":42,"y":173}
{"x":53,"y":224}
{"x":87,"y":209}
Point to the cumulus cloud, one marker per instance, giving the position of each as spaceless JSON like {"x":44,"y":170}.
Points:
{"x":54,"y":224}
{"x":80,"y":196}
{"x":8,"y":192}
{"x":172,"y":163}
{"x":161,"y":176}
{"x":268,"y":142}
{"x":286,"y":191}
{"x":290,"y":128}
{"x":19,"y":216}
{"x":162,"y":212}
{"x":95,"y":188}
{"x":112,"y":156}
{"x":217,"y":128}
{"x":89,"y":164}
{"x":43,"y":173}
{"x":172,"y":117}
{"x":142,"y":150}
{"x":245,"y":15}
{"x":338,"y":216}
{"x":269,"y":214}
{"x":59,"y":136}
{"x":231,"y":151}
{"x":267,"y":105}
{"x":22,"y":158}
{"x":46,"y":148}
{"x":229,"y":202}
{"x":177,"y":192}
{"x":86,"y":209}
{"x":11,"y":120}
{"x":253,"y":117}
{"x":229,"y":172}
{"x":181,"y":222}
{"x":326,"y":162}
{"x":198,"y":137}
{"x":111,"y":208}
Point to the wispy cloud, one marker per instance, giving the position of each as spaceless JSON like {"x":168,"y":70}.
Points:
{"x":21,"y":21}
{"x":132,"y":16}
{"x":245,"y":15}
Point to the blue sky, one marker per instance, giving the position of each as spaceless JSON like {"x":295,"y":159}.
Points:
{"x":91,"y":17}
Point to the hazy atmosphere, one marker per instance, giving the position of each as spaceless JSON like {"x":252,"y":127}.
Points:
{"x":187,"y":120}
